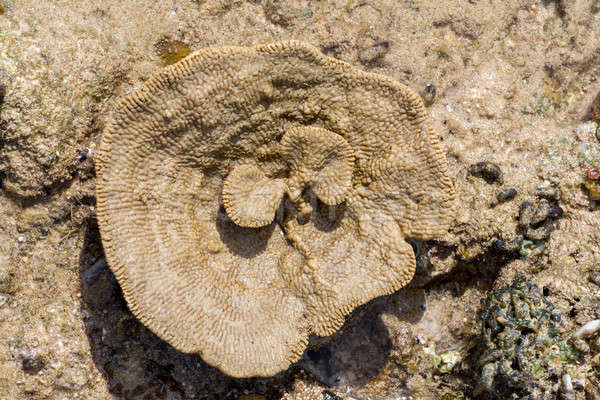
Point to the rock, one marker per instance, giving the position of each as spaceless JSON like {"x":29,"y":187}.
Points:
{"x":327,"y":395}
{"x":548,"y":193}
{"x":594,"y":276}
{"x":488,"y":171}
{"x":428,"y":94}
{"x":373,"y":52}
{"x":7,"y":281}
{"x":506,"y":194}
{"x":33,"y":365}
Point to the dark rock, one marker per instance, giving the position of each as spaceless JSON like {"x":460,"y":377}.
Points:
{"x":33,"y":365}
{"x":327,"y":395}
{"x":526,"y":213}
{"x":428,"y":94}
{"x":508,"y":246}
{"x":490,"y":172}
{"x":555,"y":212}
{"x":542,"y":212}
{"x":506,"y":194}
{"x":594,"y":276}
{"x":541,"y":233}
{"x":2,"y":86}
{"x":548,"y":193}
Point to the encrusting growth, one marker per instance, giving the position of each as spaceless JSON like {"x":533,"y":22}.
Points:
{"x":248,"y":197}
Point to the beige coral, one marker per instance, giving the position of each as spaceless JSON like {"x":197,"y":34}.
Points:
{"x":182,"y":230}
{"x":320,"y":159}
{"x":250,"y":198}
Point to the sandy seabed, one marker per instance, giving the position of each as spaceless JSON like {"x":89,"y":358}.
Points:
{"x":516,"y":84}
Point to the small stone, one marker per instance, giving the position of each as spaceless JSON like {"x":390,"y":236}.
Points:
{"x":373,"y":53}
{"x":488,"y":171}
{"x":555,"y":212}
{"x":541,"y":233}
{"x":2,"y":92}
{"x":555,"y":317}
{"x":581,"y":345}
{"x":526,"y":213}
{"x":587,"y":330}
{"x":7,"y":281}
{"x":428,"y":94}
{"x":509,"y":246}
{"x":33,"y":365}
{"x":542,"y":212}
{"x":506,"y":194}
{"x":327,"y":395}
{"x":548,"y":193}
{"x":594,"y":276}
{"x":593,"y":174}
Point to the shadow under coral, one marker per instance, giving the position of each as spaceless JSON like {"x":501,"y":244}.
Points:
{"x":139,"y":365}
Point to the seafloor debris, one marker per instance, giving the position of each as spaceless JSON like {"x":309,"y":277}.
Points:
{"x":592,"y":183}
{"x":506,"y":194}
{"x":489,"y":171}
{"x":519,"y":351}
{"x":428,"y":94}
{"x":171,"y":51}
{"x":588,"y":329}
{"x":537,"y":220}
{"x":33,"y":365}
{"x":362,"y":170}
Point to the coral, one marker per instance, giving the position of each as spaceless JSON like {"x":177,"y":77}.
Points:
{"x":321,"y":159}
{"x":520,"y":350}
{"x":192,"y":165}
{"x":250,"y":198}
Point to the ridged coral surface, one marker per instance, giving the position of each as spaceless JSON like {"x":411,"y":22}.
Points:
{"x":246,"y":299}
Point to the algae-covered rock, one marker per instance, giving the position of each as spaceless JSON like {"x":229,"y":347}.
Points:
{"x":520,"y":351}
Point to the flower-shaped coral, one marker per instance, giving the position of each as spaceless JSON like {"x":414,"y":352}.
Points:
{"x":248,"y":197}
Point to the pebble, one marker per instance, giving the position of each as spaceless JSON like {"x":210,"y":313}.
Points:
{"x":594,"y":276}
{"x":581,"y":345}
{"x":428,"y":94}
{"x":327,"y":395}
{"x":490,"y":172}
{"x":568,"y":392}
{"x":542,"y":212}
{"x":91,"y":274}
{"x":526,"y":213}
{"x":33,"y":365}
{"x":374,"y":53}
{"x":588,"y":329}
{"x":507,"y":194}
{"x":542,"y":233}
{"x":509,"y":246}
{"x":593,"y":174}
{"x":548,"y":193}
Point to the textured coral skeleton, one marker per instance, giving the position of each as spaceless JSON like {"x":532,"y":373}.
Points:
{"x":248,"y":197}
